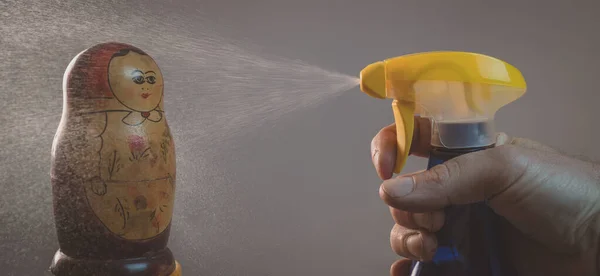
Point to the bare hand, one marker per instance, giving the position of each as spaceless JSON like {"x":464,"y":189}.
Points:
{"x":551,"y":201}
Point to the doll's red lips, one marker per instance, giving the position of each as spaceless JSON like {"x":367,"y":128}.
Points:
{"x":145,"y":95}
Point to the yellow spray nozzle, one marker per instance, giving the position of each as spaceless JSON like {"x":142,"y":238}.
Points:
{"x":447,"y":87}
{"x":372,"y":80}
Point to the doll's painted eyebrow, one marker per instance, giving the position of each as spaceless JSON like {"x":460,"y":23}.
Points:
{"x":137,"y":71}
{"x":150,"y":72}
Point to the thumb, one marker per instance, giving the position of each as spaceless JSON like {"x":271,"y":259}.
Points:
{"x":465,"y":179}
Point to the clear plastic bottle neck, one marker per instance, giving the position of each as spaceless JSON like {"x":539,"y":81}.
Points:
{"x":463,"y":134}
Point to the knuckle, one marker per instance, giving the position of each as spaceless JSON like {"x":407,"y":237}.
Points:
{"x":374,"y":144}
{"x":377,"y":141}
{"x":398,"y":237}
{"x":442,"y":173}
{"x":514,"y":156}
{"x":423,"y":220}
{"x":398,"y":216}
{"x":506,"y":153}
{"x":442,"y":176}
{"x":396,"y":240}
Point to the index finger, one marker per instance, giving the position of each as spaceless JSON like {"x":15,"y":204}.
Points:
{"x":384,"y":147}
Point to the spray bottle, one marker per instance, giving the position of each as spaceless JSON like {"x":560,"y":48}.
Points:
{"x":460,"y":93}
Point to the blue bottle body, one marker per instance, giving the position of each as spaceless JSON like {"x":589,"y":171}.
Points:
{"x":468,"y":243}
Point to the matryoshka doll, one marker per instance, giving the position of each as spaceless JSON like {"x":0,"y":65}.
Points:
{"x":113,"y":167}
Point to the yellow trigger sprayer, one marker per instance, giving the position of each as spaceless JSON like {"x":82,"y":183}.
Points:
{"x":460,"y":93}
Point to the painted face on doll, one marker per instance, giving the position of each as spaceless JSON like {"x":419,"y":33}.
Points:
{"x":135,"y":80}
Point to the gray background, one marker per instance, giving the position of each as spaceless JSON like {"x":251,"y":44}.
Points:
{"x":298,"y":197}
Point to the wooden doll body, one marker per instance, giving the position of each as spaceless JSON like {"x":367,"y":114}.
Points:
{"x":113,"y":167}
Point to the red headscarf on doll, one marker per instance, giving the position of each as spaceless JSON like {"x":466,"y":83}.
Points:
{"x":85,"y":84}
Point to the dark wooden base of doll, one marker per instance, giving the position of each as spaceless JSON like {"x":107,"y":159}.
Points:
{"x":159,"y":263}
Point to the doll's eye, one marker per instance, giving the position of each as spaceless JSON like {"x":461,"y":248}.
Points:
{"x":138,"y":79}
{"x":151,"y":79}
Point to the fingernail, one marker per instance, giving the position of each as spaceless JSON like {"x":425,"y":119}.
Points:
{"x":414,"y":244}
{"x":398,"y":187}
{"x":421,"y":247}
{"x":501,"y":138}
